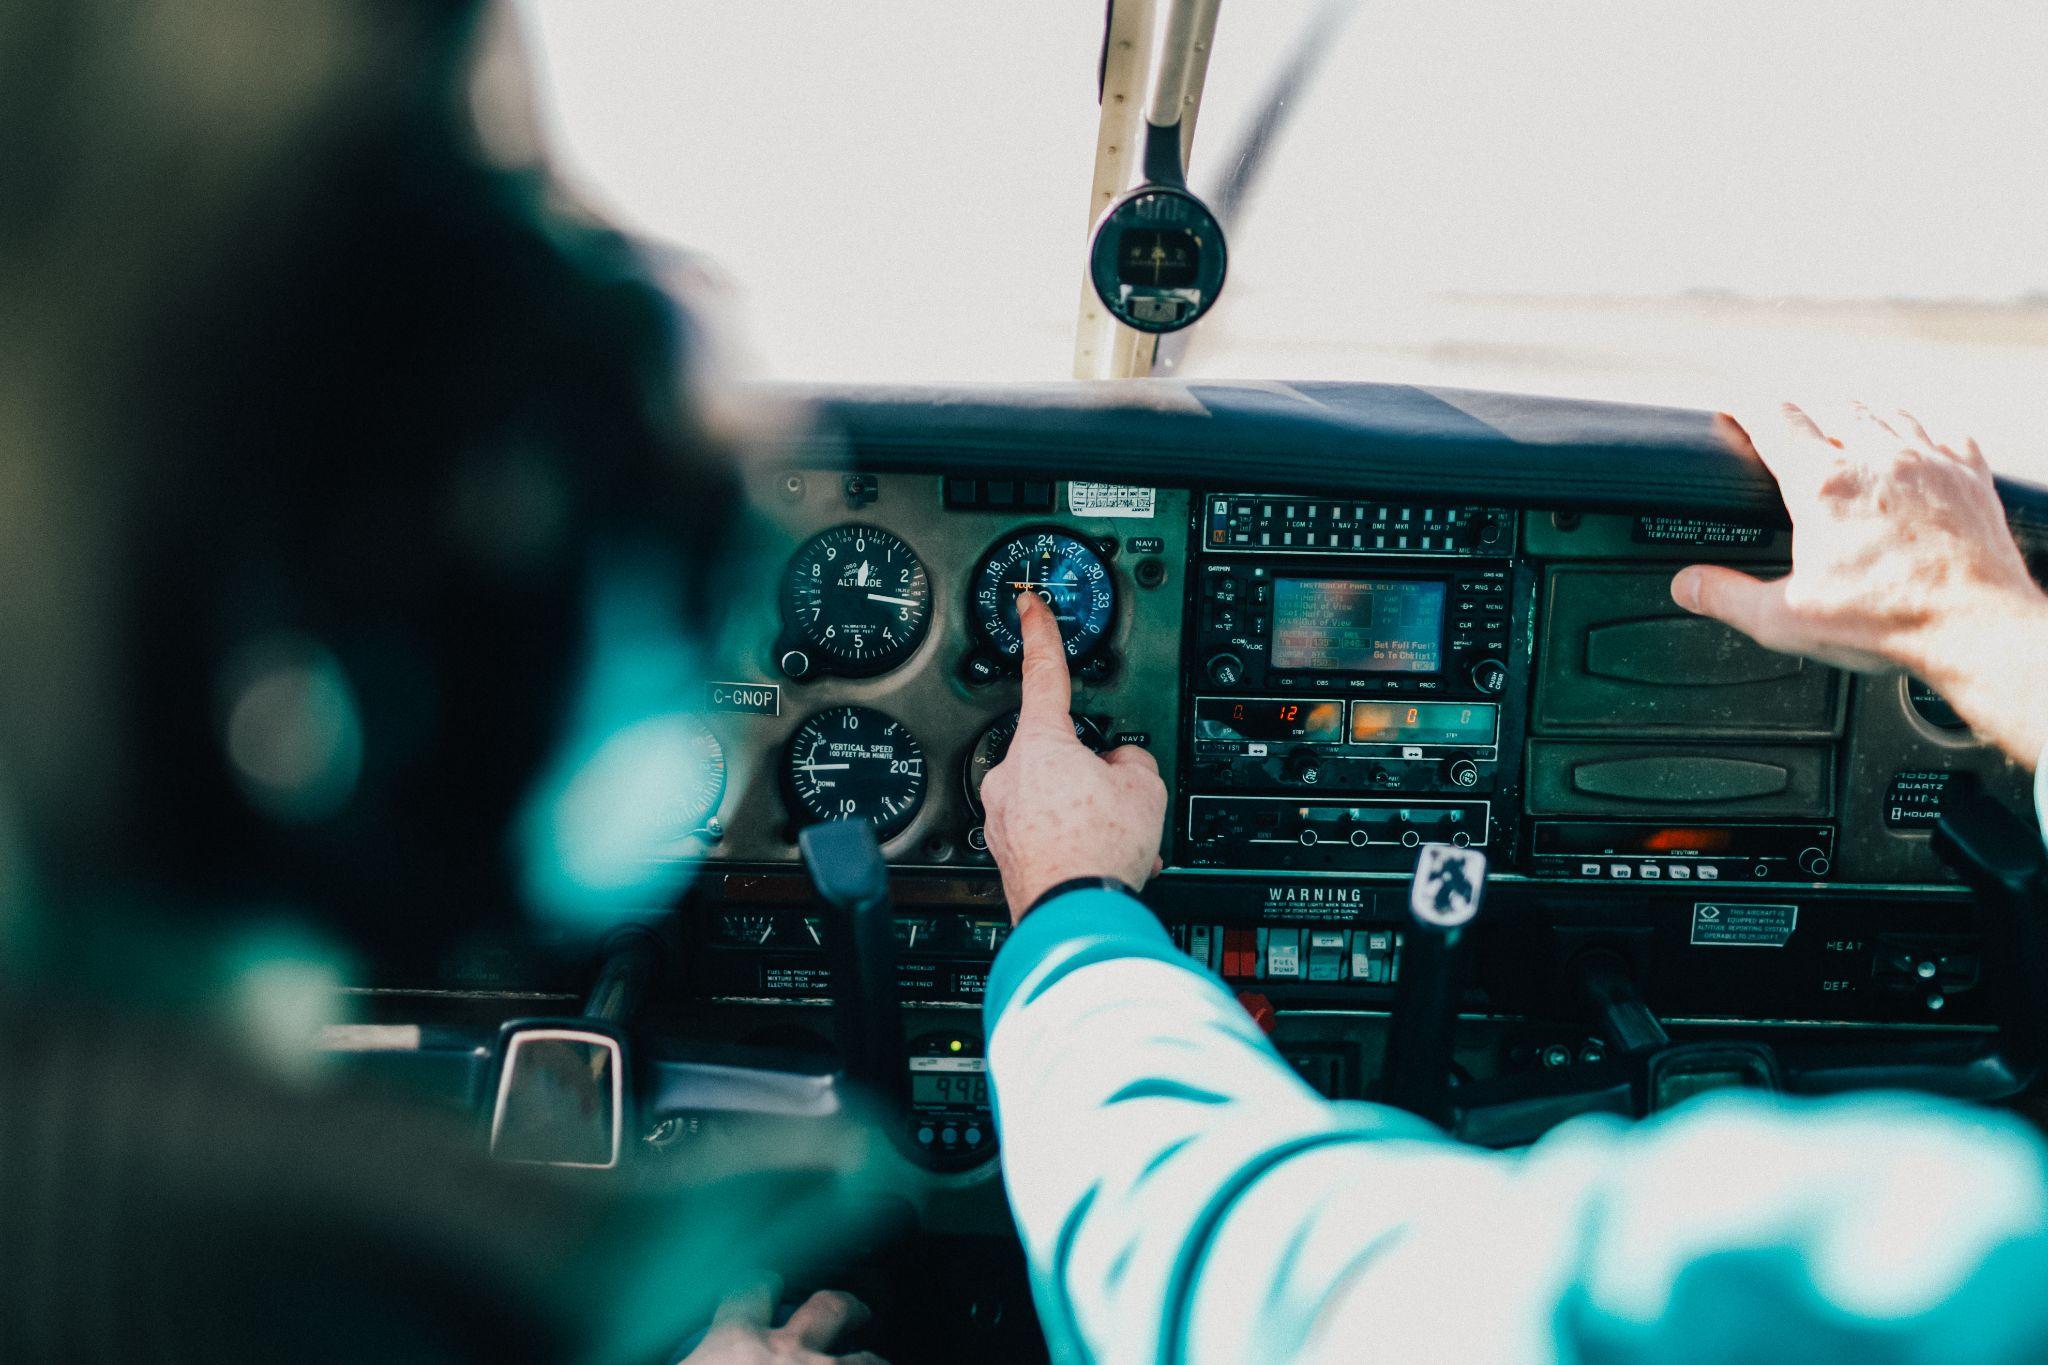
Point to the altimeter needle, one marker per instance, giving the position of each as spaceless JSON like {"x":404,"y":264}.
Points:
{"x":892,"y":601}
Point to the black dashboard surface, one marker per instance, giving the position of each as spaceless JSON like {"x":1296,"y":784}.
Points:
{"x":1309,"y":437}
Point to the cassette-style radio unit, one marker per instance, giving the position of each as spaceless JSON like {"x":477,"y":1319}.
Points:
{"x":1364,"y":744}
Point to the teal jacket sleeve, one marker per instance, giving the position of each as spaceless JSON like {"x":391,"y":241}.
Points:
{"x":1182,"y":1196}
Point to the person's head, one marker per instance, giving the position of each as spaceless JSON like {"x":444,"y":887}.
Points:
{"x":316,"y":415}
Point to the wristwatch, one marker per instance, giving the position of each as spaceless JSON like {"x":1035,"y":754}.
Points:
{"x":1059,"y":889}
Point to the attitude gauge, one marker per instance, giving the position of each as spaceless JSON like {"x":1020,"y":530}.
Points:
{"x":855,"y":763}
{"x":855,"y":602}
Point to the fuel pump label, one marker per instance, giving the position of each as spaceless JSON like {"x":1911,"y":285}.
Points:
{"x":1721,"y":924}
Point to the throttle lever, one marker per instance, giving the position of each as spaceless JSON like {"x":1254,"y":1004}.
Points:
{"x":1624,"y":1019}
{"x":852,"y":882}
{"x":1443,"y":899}
{"x":2001,"y":856}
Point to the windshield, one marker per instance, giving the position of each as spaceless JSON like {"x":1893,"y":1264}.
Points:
{"x":1610,"y":200}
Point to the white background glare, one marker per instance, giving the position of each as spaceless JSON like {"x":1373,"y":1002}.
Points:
{"x":1688,"y":204}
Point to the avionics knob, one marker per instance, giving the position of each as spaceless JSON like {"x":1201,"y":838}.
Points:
{"x":1490,"y":676}
{"x":1305,"y":766}
{"x":1462,"y":772}
{"x":1225,"y":669}
{"x":1813,"y":862}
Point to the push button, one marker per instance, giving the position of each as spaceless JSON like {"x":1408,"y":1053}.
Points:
{"x":1283,"y":953}
{"x":1326,"y":956}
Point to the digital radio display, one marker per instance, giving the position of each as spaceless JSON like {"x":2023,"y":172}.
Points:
{"x":1358,"y":625}
{"x":1423,"y":722}
{"x":1269,"y":719}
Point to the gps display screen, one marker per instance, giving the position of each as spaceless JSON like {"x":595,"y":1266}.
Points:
{"x":1358,"y":625}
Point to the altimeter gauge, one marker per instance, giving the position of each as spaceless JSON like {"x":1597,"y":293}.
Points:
{"x":856,"y":602}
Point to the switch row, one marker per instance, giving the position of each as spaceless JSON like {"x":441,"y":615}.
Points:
{"x":1369,"y":956}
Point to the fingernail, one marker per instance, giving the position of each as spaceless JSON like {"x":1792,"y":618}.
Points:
{"x":1686,"y":589}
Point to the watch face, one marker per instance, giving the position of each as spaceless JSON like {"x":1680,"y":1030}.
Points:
{"x":1065,"y":572}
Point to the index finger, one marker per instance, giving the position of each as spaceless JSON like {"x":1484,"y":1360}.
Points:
{"x":1048,"y":691}
{"x":1790,"y":443}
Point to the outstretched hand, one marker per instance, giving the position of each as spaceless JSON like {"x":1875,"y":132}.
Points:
{"x":741,"y":1334}
{"x":1901,"y":558}
{"x":1056,"y":810}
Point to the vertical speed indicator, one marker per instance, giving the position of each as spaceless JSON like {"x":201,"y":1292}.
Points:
{"x":1066,"y":573}
{"x":855,"y":763}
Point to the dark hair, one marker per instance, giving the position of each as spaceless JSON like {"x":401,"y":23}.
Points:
{"x":384,"y":409}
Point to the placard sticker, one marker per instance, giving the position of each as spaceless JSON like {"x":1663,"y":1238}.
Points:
{"x":745,"y":698}
{"x":1111,"y":500}
{"x":1725,"y":924}
{"x":1657,"y":528}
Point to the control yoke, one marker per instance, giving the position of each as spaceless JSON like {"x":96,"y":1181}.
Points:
{"x":852,"y":882}
{"x":2001,"y":856}
{"x":1442,"y":900}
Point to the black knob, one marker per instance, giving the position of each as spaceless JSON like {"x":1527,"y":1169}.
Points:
{"x":1490,"y":676}
{"x":1462,"y":772}
{"x":1305,"y":766}
{"x":795,"y":663}
{"x":1814,"y":863}
{"x":1226,"y":669}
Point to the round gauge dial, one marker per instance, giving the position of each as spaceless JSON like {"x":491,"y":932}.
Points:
{"x":857,"y":599}
{"x":702,"y":787}
{"x":995,"y":743}
{"x":1066,"y":573}
{"x":854,"y":763}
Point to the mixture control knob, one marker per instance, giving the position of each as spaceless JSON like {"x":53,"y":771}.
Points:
{"x":1226,"y":669}
{"x":1462,"y":772}
{"x":1490,"y":676}
{"x":1814,"y":862}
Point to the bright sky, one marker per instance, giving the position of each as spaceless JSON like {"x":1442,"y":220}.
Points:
{"x":898,"y":188}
